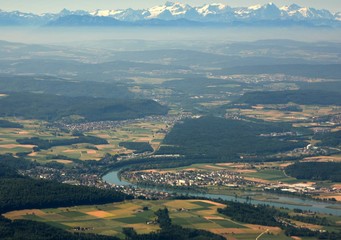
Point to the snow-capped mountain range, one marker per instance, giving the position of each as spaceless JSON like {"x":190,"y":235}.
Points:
{"x":170,"y":12}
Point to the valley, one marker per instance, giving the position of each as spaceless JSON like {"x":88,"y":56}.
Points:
{"x":185,"y":137}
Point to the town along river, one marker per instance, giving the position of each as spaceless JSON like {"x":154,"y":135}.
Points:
{"x":280,"y":201}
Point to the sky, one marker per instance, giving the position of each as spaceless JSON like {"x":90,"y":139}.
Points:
{"x":41,"y":6}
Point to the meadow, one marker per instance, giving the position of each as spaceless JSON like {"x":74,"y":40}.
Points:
{"x":109,"y":219}
{"x":148,"y":131}
{"x":274,"y":113}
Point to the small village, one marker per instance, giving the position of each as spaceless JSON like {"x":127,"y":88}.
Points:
{"x":227,"y":178}
{"x":91,"y":180}
{"x":106,"y":125}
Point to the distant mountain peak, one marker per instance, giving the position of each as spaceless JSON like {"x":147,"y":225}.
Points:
{"x":170,"y":11}
{"x":293,"y":7}
{"x":255,"y":7}
{"x":213,"y":9}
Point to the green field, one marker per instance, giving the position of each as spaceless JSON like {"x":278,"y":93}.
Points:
{"x":109,"y":219}
{"x":134,"y":132}
{"x":271,"y":175}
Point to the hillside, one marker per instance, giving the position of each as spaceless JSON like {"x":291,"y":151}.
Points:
{"x":53,"y":107}
{"x":225,"y":138}
{"x":305,"y":97}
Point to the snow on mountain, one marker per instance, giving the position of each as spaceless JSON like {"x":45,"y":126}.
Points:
{"x":291,"y":8}
{"x":171,"y":11}
{"x":18,"y":18}
{"x":213,"y":9}
{"x":338,"y":16}
{"x":255,"y":7}
{"x":208,"y":13}
{"x":259,"y":12}
{"x":173,"y":8}
{"x":121,"y":14}
{"x":301,"y":13}
{"x":66,"y":12}
{"x":84,"y":20}
{"x":216,"y":12}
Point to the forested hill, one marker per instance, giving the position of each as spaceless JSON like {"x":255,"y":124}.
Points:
{"x":50,"y":85}
{"x":53,"y":107}
{"x":7,"y":124}
{"x":225,"y":138}
{"x":18,"y":192}
{"x":31,"y":230}
{"x":331,"y":71}
{"x":315,"y":171}
{"x":305,"y":97}
{"x":25,"y":193}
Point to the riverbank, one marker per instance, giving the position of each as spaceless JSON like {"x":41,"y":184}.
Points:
{"x":284,"y":202}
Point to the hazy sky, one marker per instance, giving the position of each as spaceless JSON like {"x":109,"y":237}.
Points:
{"x":39,"y":6}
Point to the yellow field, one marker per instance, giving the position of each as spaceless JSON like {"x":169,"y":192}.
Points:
{"x":333,"y":158}
{"x":109,"y":219}
{"x":151,"y":132}
{"x":268,"y":112}
{"x":10,"y":146}
{"x":214,"y":103}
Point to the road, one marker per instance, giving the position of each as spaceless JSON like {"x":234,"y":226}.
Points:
{"x":262,"y":234}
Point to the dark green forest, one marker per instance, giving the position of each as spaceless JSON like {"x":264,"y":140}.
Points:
{"x":54,"y":107}
{"x":315,"y":171}
{"x":14,"y":163}
{"x":8,"y":124}
{"x":305,"y":97}
{"x":18,"y":192}
{"x":25,"y":193}
{"x":225,"y":138}
{"x":46,"y":144}
{"x":331,"y":139}
{"x":330,"y":86}
{"x":138,"y":147}
{"x":31,"y":230}
{"x":331,"y":71}
{"x":270,"y":216}
{"x":247,"y":213}
{"x":49,"y":85}
{"x":200,"y":85}
{"x":170,"y":231}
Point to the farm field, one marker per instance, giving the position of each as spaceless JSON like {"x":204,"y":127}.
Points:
{"x":332,"y":158}
{"x":269,"y":172}
{"x":110,"y":218}
{"x":274,"y":113}
{"x":32,"y":128}
{"x":152,"y":132}
{"x":262,"y":173}
{"x":270,"y":175}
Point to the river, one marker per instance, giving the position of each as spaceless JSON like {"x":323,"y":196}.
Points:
{"x":280,"y":201}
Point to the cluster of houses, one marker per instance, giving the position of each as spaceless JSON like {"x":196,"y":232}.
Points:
{"x":228,"y":178}
{"x":106,"y":125}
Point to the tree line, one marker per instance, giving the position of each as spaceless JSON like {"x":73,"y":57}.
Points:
{"x":170,"y":231}
{"x":270,"y":216}
{"x":220,"y":138}
{"x":47,"y":143}
{"x":138,"y":147}
{"x":53,"y":107}
{"x":304,"y":97}
{"x":8,"y":124}
{"x":315,"y":170}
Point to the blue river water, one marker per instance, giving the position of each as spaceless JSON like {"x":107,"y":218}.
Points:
{"x":278,"y":201}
